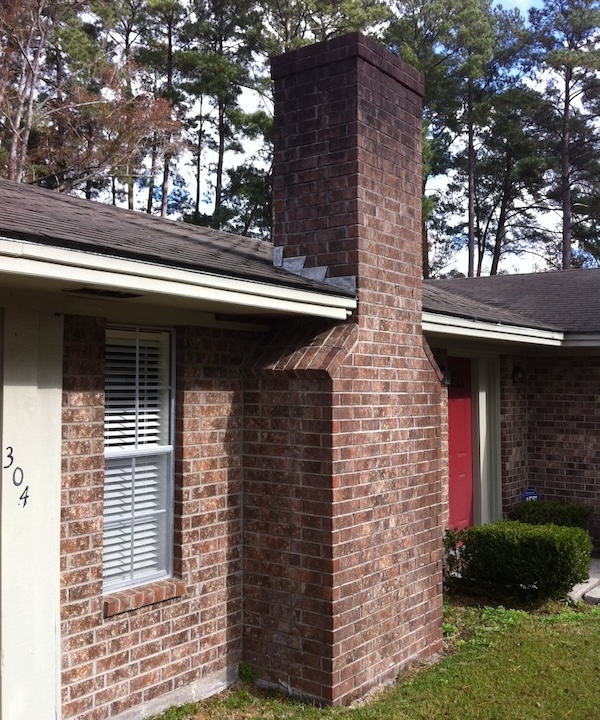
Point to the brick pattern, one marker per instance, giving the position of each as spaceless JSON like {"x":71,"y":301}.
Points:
{"x":131,"y":599}
{"x":550,"y":430}
{"x":514,"y":424}
{"x":438,"y":357}
{"x":174,"y":633}
{"x":304,"y":349}
{"x":81,"y":514}
{"x":563,"y":397}
{"x":288,"y":632}
{"x":319,"y":165}
{"x":344,"y":471}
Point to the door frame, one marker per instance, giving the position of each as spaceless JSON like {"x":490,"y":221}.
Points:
{"x":485,"y":428}
{"x":488,"y":484}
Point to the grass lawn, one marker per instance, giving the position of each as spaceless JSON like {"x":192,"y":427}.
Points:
{"x":502,"y":664}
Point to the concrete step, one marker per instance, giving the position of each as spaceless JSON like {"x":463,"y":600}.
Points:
{"x":589,"y":590}
{"x":580,"y":590}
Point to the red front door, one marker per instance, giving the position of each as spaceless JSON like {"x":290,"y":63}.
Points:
{"x":460,"y":449}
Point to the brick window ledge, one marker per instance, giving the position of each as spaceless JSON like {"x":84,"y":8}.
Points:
{"x":155,"y":592}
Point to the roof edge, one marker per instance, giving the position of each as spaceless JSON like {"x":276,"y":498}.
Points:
{"x":436,"y":323}
{"x":51,"y":263}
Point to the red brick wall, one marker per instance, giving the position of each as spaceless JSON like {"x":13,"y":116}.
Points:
{"x":550,"y":429}
{"x":563,"y":397}
{"x":112,"y":664}
{"x":440,"y":358}
{"x":288,"y":543}
{"x":81,"y":516}
{"x":288,"y":629}
{"x":348,"y":195}
{"x":514,"y":424}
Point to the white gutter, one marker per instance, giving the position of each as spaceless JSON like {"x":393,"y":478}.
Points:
{"x":462,"y":327}
{"x":582,"y":340}
{"x":71,"y":266}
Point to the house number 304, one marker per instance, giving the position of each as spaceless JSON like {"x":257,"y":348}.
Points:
{"x":18,"y":476}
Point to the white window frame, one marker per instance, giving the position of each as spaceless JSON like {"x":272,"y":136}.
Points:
{"x":139,"y":459}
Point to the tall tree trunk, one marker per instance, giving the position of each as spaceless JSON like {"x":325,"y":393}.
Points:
{"x":480,"y":236}
{"x":128,"y":23}
{"x":129,"y":186}
{"x":564,"y":175}
{"x":165,"y":186}
{"x":23,"y":118}
{"x":199,"y":165}
{"x":153,"y":159}
{"x":167,"y":161}
{"x":501,"y":227}
{"x":424,"y":237}
{"x":219,"y":173}
{"x":425,"y":250}
{"x":26,"y":131}
{"x":471,"y":176}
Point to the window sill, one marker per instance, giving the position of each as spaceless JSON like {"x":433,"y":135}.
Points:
{"x":134,"y":598}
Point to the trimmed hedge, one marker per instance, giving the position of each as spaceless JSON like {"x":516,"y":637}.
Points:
{"x":544,"y":512}
{"x":512,"y":556}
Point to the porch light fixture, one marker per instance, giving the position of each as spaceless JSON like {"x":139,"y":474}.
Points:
{"x":518,"y":376}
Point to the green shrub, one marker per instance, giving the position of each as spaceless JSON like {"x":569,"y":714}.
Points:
{"x":544,"y":512}
{"x":511,"y":555}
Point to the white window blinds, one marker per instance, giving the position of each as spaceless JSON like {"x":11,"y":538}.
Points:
{"x":138,"y":496}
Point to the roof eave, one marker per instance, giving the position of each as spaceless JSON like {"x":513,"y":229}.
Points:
{"x":44,"y":262}
{"x":448,"y":325}
{"x":582,"y":340}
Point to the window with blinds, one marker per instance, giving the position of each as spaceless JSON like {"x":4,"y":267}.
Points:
{"x":138,"y":492}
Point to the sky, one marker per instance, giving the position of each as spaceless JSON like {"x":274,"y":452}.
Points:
{"x":522,"y":5}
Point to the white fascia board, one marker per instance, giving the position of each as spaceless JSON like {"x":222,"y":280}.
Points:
{"x":582,"y":340}
{"x":51,"y":263}
{"x":462,"y":327}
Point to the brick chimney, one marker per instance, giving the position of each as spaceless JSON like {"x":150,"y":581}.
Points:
{"x":343,"y":430}
{"x":347,"y":178}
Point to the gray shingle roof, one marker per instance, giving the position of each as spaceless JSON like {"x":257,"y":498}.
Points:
{"x":50,"y":218}
{"x":568,"y":301}
{"x":565,"y":301}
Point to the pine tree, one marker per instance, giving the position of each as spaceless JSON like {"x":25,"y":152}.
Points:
{"x":449,"y":42}
{"x":565,"y":39}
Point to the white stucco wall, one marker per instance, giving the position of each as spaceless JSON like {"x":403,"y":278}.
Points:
{"x":30,"y":430}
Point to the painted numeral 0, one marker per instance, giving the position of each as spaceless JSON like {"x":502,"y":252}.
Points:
{"x":18,"y":474}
